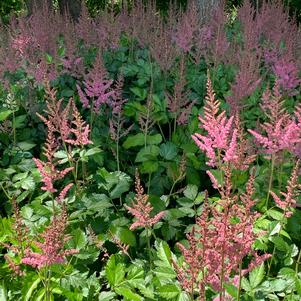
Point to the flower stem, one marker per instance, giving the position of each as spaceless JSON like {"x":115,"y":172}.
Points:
{"x":270,"y":181}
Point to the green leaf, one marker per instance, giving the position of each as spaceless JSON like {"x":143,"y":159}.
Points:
{"x":115,"y":272}
{"x":279,"y":243}
{"x":79,"y":239}
{"x":154,"y":139}
{"x":148,"y":153}
{"x":138,"y":140}
{"x":26,"y":145}
{"x":128,"y":294}
{"x":256,"y":276}
{"x":106,"y":296}
{"x":31,"y":289}
{"x":92,"y":151}
{"x":125,"y":235}
{"x":149,"y":167}
{"x":169,"y":291}
{"x":141,"y":93}
{"x":168,"y":151}
{"x":191,"y":192}
{"x":67,"y":93}
{"x":132,"y":141}
{"x":5,"y":114}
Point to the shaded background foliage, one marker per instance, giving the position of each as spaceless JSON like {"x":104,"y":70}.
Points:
{"x":9,"y":7}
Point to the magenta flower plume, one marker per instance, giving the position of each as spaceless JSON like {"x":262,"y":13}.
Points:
{"x":52,"y":246}
{"x":220,"y":141}
{"x":141,"y":208}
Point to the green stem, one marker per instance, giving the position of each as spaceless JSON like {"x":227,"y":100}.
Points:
{"x":270,"y":181}
{"x":14,"y":129}
{"x":5,"y":192}
{"x":149,"y":182}
{"x":239,"y":283}
{"x":297,"y":263}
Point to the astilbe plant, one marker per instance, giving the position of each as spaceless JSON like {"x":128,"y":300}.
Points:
{"x":290,"y":196}
{"x":64,"y":127}
{"x":117,"y":120}
{"x":220,"y":143}
{"x":178,"y":103}
{"x":141,"y":208}
{"x":97,"y":87}
{"x":51,"y":244}
{"x":282,"y":131}
{"x":219,"y":242}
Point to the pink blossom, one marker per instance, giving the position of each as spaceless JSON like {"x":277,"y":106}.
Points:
{"x":141,"y":209}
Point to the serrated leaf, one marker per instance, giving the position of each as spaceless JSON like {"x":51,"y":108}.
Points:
{"x":147,"y":153}
{"x":191,"y":192}
{"x":169,"y":291}
{"x":256,"y":276}
{"x":92,"y":151}
{"x":79,"y":239}
{"x":115,"y":271}
{"x":279,"y":243}
{"x":168,"y":151}
{"x":128,"y":294}
{"x":106,"y":296}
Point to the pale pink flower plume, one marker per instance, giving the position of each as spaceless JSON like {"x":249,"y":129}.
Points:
{"x":52,"y":248}
{"x":220,"y":142}
{"x":141,"y":208}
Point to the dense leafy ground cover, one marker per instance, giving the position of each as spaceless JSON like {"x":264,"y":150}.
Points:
{"x":151,"y":158}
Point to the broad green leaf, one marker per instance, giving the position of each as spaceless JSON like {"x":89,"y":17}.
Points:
{"x":134,"y":140}
{"x":154,"y":139}
{"x":275,"y":229}
{"x":168,"y":151}
{"x":135,"y":276}
{"x":138,"y":140}
{"x":24,"y":145}
{"x":92,"y":151}
{"x":191,"y":192}
{"x":125,"y":235}
{"x":115,"y":271}
{"x":128,"y":294}
{"x":245,"y":284}
{"x":141,"y":93}
{"x":279,"y":243}
{"x":106,"y":296}
{"x":169,"y":291}
{"x":79,"y":239}
{"x":148,"y":153}
{"x":5,"y":114}
{"x":149,"y":167}
{"x":256,"y":276}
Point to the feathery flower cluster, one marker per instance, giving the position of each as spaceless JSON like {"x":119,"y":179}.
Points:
{"x":178,"y":103}
{"x":222,"y":238}
{"x":290,"y":196}
{"x":97,"y":87}
{"x":52,"y":247}
{"x":282,"y":131}
{"x":220,"y":143}
{"x":64,"y":126}
{"x":141,"y":208}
